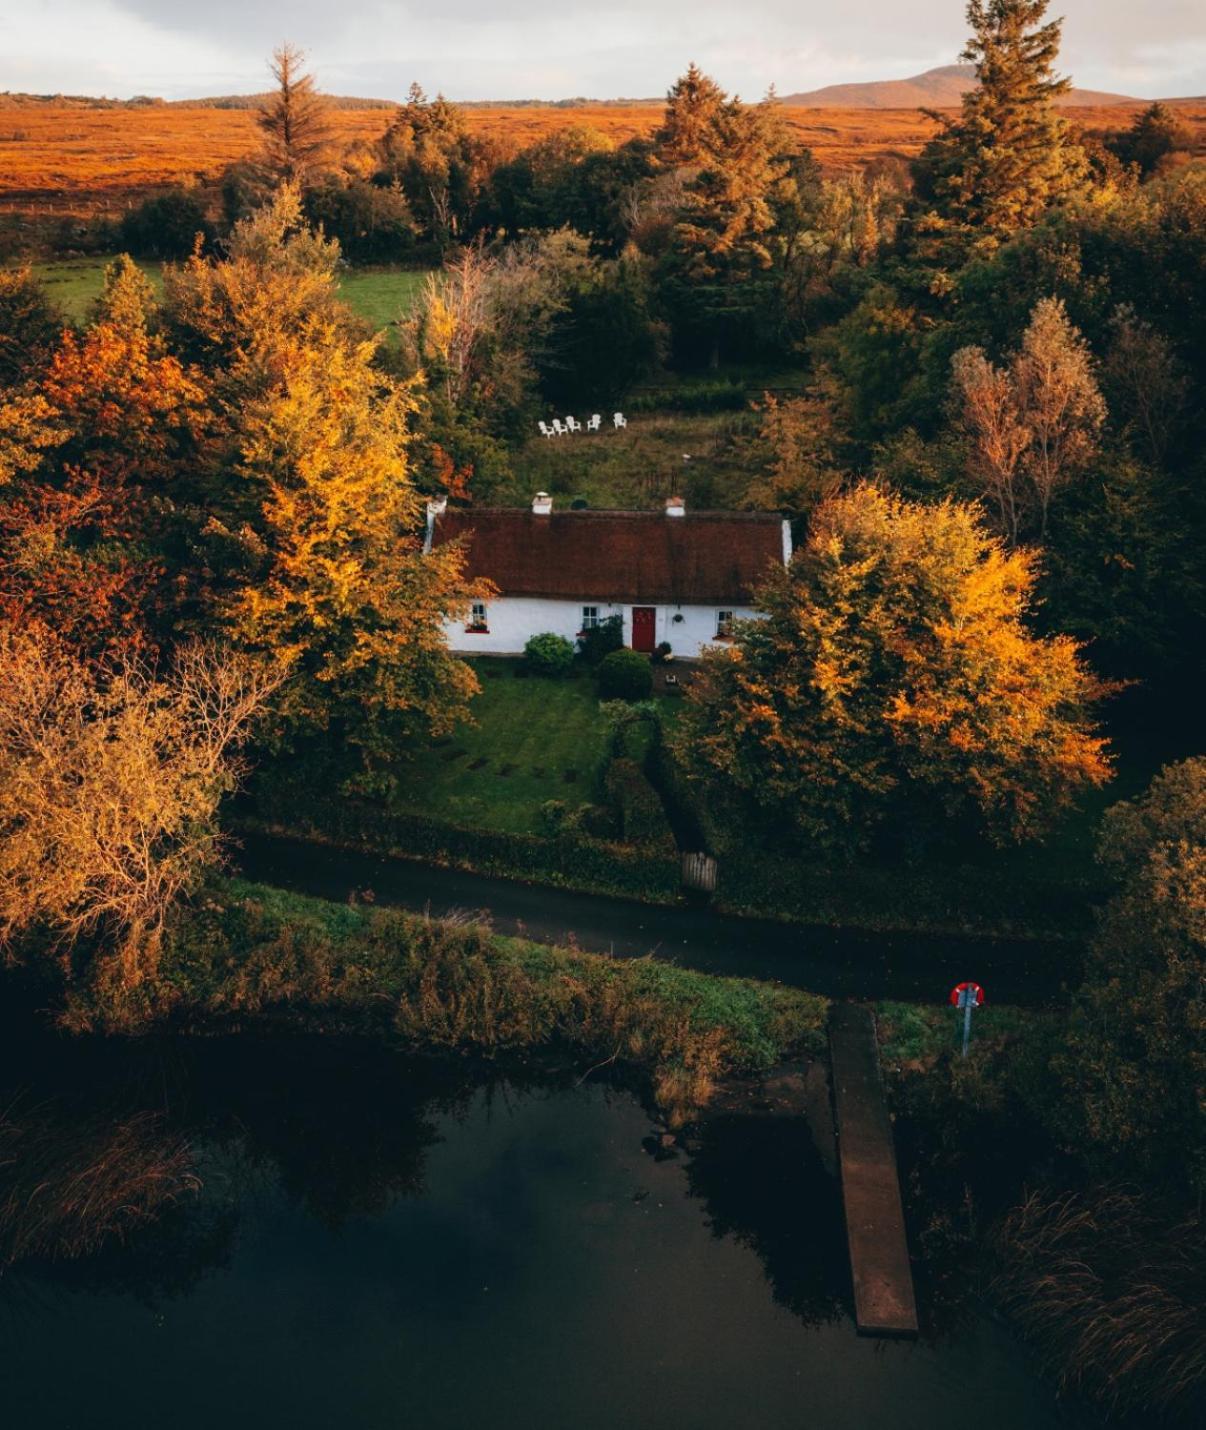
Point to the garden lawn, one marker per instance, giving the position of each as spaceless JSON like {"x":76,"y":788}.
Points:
{"x":533,"y":740}
{"x":383,"y":296}
{"x":74,"y":284}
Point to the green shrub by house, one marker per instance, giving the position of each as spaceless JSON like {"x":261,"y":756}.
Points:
{"x":625,"y":675}
{"x":549,"y":655}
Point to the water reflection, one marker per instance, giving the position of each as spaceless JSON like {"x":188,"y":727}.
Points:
{"x":350,"y":1237}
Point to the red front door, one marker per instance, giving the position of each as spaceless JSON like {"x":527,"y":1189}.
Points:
{"x":643,"y":619}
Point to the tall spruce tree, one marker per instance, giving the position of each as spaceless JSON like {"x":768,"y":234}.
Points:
{"x":996,"y":167}
{"x":693,"y":106}
{"x":293,"y":120}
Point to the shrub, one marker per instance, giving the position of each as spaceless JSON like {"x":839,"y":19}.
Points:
{"x":625,"y":675}
{"x":165,"y":226}
{"x":601,"y":640}
{"x":663,"y":653}
{"x":637,"y":806}
{"x":550,"y":655}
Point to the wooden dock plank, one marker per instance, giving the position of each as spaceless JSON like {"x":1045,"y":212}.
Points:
{"x":884,"y":1302}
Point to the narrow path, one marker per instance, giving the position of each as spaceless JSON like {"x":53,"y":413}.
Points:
{"x":884,"y":1304}
{"x":833,"y":962}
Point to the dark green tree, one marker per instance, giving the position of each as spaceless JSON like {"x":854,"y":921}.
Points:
{"x":998,"y":165}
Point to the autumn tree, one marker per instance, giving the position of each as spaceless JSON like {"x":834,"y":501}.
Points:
{"x":293,"y":121}
{"x":29,"y":326}
{"x":1145,"y":383}
{"x":894,"y":688}
{"x":1153,"y":135}
{"x":275,"y":277}
{"x":91,"y":505}
{"x":1133,"y":1071}
{"x":1031,"y":428}
{"x":110,"y":781}
{"x":428,"y":153}
{"x":996,"y":438}
{"x":800,"y":467}
{"x":336,"y":585}
{"x":998,"y":165}
{"x":723,"y":244}
{"x":693,"y":106}
{"x":1059,"y":400}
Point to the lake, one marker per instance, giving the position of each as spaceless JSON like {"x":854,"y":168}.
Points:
{"x":379,"y":1242}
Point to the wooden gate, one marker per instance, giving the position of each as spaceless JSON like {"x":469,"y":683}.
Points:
{"x":699,"y":871}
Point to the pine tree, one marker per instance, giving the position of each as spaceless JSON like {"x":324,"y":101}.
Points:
{"x":693,"y":106}
{"x":293,"y":120}
{"x":996,"y":167}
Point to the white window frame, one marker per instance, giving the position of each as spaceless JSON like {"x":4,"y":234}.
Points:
{"x":724,"y":625}
{"x":479,"y":622}
{"x":591,"y":619}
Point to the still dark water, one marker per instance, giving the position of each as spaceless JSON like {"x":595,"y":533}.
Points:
{"x":384,"y":1245}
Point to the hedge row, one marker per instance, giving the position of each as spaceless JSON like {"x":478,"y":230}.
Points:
{"x":572,"y":860}
{"x":638,"y":807}
{"x":936,"y":899}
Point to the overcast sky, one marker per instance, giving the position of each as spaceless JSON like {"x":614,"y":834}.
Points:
{"x":550,"y":49}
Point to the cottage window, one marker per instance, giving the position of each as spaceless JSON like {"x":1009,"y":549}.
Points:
{"x":724,"y":625}
{"x":477,"y":617}
{"x":590,"y":617}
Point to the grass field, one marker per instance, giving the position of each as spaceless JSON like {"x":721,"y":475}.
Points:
{"x":534,"y":740}
{"x":66,"y":159}
{"x":659,"y":454}
{"x":382,"y":295}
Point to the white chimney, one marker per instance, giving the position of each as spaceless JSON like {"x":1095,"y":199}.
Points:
{"x":542,"y":504}
{"x":435,"y":508}
{"x":675,"y":506}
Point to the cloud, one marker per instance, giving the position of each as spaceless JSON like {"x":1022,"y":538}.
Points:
{"x":558,"y":48}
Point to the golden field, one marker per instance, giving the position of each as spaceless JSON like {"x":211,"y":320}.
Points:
{"x":69,"y":159}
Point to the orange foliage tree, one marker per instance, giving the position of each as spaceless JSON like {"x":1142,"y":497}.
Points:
{"x":89,"y":466}
{"x":895,"y":683}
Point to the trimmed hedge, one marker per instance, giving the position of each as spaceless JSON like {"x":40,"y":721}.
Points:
{"x":571,"y":860}
{"x":625,"y":675}
{"x":637,"y":805}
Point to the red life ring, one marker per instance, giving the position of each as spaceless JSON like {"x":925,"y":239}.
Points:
{"x":976,"y":990}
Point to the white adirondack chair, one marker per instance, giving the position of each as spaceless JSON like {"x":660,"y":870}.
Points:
{"x":594,"y":423}
{"x":545,"y":429}
{"x":573,"y":425}
{"x":558,"y":429}
{"x":619,"y":420}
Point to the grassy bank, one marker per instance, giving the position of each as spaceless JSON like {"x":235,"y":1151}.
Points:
{"x":252,"y":955}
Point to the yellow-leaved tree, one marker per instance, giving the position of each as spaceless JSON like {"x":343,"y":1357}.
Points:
{"x":895,"y":689}
{"x":341,"y":589}
{"x":313,"y":545}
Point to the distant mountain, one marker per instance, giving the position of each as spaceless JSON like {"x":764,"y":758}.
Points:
{"x":940,"y":88}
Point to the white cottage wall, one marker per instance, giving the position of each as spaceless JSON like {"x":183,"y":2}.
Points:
{"x":513,"y":620}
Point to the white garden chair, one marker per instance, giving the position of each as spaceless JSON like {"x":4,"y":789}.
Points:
{"x":573,"y":425}
{"x":594,"y":422}
{"x":619,"y":420}
{"x":545,"y":429}
{"x":558,"y":429}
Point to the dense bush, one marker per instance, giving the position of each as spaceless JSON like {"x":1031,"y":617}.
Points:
{"x":599,"y":641}
{"x":372,"y":224}
{"x":549,"y":655}
{"x":166,"y":226}
{"x":625,"y":675}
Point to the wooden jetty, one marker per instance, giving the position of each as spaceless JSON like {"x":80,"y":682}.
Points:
{"x":884,"y":1304}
